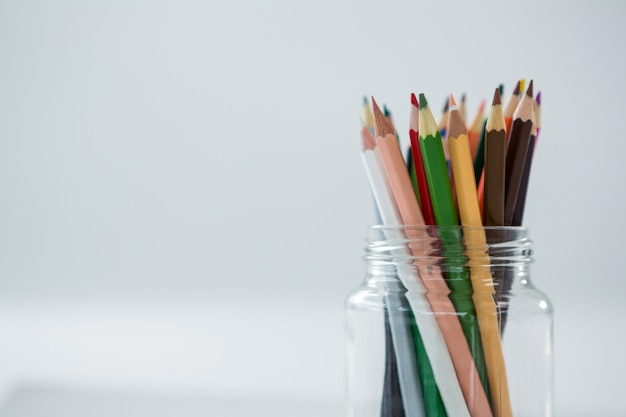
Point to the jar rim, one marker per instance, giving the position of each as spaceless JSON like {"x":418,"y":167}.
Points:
{"x":405,"y":243}
{"x":435,"y":227}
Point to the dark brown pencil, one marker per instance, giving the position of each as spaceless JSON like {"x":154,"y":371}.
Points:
{"x":518,"y":216}
{"x":495,"y":157}
{"x":519,"y":139}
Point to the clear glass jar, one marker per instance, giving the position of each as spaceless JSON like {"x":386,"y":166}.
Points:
{"x":448,"y":323}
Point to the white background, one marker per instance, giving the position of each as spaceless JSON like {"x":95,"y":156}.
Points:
{"x":183,"y":205}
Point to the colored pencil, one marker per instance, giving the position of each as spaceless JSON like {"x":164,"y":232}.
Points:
{"x":495,"y":150}
{"x":518,"y":215}
{"x":443,"y":119}
{"x":410,"y":166}
{"x":538,"y":112}
{"x":481,"y":194}
{"x":521,"y":204}
{"x":476,"y":248}
{"x":387,"y":115}
{"x":443,"y":129}
{"x":479,"y":160}
{"x":418,"y":166}
{"x":435,"y":167}
{"x":391,"y":403}
{"x":519,"y":139}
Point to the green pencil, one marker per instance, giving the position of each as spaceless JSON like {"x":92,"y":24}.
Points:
{"x":453,"y":250}
{"x":479,"y":160}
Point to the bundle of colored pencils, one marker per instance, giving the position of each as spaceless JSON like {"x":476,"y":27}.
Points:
{"x":454,"y":174}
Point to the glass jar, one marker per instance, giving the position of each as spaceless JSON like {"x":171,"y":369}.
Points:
{"x":448,"y":323}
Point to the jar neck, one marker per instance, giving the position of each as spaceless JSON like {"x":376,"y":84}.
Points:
{"x":450,"y":250}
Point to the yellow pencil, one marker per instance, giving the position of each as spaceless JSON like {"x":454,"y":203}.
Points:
{"x":476,"y":241}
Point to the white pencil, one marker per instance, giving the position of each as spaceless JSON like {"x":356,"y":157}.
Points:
{"x":400,"y":323}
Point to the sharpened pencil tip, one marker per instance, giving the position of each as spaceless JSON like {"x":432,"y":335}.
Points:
{"x":414,"y":100}
{"x":529,"y":91}
{"x":375,"y":106}
{"x":382,"y":125}
{"x":365,"y":102}
{"x":423,"y":102}
{"x":447,"y":105}
{"x":516,"y":90}
{"x":538,"y":99}
{"x":463,"y":97}
{"x":452,"y":101}
{"x":497,"y":99}
{"x":386,"y":111}
{"x":501,"y":88}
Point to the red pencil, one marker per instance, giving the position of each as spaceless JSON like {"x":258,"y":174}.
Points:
{"x":422,"y":183}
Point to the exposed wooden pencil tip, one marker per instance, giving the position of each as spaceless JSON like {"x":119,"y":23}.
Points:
{"x":375,"y":107}
{"x":382,"y":126}
{"x":538,"y":99}
{"x":414,"y":100}
{"x":517,"y":87}
{"x":452,"y":100}
{"x":423,"y":102}
{"x":529,"y":91}
{"x":497,"y":99}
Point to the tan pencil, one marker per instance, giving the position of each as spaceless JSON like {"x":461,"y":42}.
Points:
{"x":476,"y":246}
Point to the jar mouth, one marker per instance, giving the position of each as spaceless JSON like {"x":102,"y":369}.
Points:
{"x":491,"y":245}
